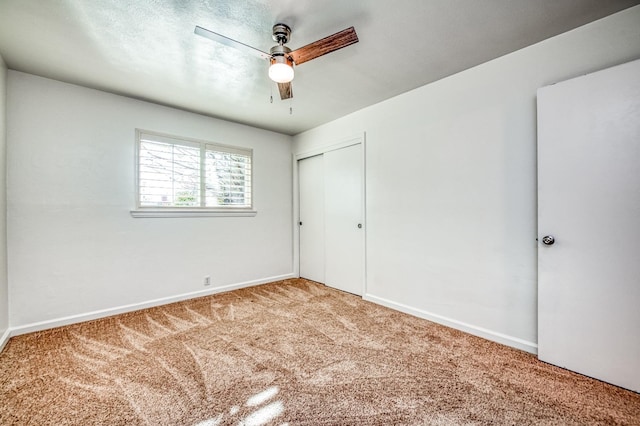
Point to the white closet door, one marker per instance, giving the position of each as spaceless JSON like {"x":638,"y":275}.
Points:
{"x":344,"y":225}
{"x":589,"y":202}
{"x":312,"y":228}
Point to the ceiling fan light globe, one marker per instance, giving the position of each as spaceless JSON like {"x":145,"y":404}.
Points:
{"x":281,"y":73}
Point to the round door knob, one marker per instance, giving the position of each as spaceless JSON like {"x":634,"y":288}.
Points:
{"x":548,"y":240}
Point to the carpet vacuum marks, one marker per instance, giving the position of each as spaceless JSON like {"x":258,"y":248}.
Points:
{"x":292,"y":352}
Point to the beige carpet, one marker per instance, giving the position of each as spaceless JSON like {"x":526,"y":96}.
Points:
{"x":292,"y":352}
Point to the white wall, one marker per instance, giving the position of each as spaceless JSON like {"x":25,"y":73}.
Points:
{"x":4,"y":290}
{"x":74,"y":247}
{"x":451,"y":183}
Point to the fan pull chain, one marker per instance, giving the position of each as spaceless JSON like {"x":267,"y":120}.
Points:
{"x":271,"y":86}
{"x":290,"y":106}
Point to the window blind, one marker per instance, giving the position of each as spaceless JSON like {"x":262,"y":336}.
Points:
{"x":178,"y":172}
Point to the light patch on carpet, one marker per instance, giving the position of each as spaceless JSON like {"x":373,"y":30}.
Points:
{"x":262,"y":397}
{"x":264,"y":415}
{"x":211,"y":422}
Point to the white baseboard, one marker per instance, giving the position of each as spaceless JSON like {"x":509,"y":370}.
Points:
{"x":459,"y":325}
{"x":494,"y":336}
{"x":5,"y":338}
{"x":88,"y":316}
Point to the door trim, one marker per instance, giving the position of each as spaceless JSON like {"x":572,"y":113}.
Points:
{"x":342,"y":143}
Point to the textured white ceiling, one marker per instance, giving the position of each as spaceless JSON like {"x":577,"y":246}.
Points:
{"x":146,"y":49}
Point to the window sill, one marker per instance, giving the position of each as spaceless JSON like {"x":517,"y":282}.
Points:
{"x":192,"y":213}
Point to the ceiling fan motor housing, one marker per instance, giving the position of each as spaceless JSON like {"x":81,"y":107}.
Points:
{"x":280,"y":51}
{"x":281,"y":54}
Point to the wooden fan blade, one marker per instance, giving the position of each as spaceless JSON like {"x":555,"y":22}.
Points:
{"x":203,"y":32}
{"x":326,"y":45}
{"x":286,"y":91}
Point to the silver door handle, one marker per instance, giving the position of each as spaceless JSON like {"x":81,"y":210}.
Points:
{"x":548,"y":240}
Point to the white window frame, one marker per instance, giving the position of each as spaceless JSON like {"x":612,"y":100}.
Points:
{"x":172,"y":211}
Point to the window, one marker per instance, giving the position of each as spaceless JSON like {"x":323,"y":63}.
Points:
{"x":179,"y":175}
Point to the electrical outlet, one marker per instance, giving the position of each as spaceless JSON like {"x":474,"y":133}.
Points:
{"x":207,"y":280}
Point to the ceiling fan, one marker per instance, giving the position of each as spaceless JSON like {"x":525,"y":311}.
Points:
{"x":281,"y":57}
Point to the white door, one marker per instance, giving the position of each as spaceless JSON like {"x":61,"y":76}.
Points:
{"x":312,"y":231}
{"x":344,"y":251}
{"x":589,"y":201}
